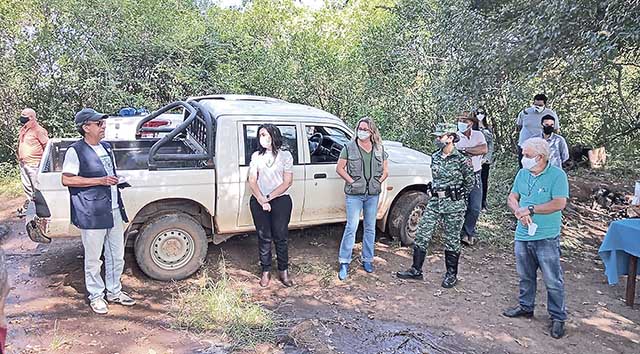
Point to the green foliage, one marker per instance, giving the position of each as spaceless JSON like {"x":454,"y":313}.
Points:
{"x":407,"y":63}
{"x":10,"y":185}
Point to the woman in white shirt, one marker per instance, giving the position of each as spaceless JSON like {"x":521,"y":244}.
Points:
{"x":270,"y":177}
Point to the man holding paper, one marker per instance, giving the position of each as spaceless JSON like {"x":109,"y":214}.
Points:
{"x":538,"y":195}
{"x":89,"y":171}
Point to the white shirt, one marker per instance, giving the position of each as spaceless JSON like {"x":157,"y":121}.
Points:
{"x":476,"y":138}
{"x":269,"y":170}
{"x":71,"y":165}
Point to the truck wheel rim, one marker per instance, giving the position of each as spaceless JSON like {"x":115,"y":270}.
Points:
{"x":414,"y":220}
{"x":172,"y":249}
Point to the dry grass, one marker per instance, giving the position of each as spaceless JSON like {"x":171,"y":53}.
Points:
{"x":210,"y":306}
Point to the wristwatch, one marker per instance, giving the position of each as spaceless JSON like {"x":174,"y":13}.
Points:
{"x":531,"y":209}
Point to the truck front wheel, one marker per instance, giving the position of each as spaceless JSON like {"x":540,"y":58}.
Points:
{"x":171,"y":247}
{"x":405,"y":215}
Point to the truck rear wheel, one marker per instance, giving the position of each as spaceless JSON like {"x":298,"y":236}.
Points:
{"x":171,"y":247}
{"x":405,"y":215}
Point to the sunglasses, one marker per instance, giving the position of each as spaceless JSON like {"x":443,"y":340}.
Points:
{"x":100,"y":123}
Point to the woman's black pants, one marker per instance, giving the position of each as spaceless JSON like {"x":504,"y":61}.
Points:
{"x":272,"y":226}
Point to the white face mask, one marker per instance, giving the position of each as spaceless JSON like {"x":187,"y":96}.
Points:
{"x":363,"y":134}
{"x":529,"y":162}
{"x":265,"y":142}
{"x":481,"y":116}
{"x":463,"y":127}
{"x":538,"y":109}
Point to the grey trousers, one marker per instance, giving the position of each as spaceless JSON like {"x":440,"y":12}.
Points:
{"x":28,"y":176}
{"x":109,"y":242}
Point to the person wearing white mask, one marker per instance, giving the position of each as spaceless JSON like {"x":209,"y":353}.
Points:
{"x":487,"y":159}
{"x":270,"y":177}
{"x":364,"y":167}
{"x":473,"y":144}
{"x":538,"y":196}
{"x":528,"y":121}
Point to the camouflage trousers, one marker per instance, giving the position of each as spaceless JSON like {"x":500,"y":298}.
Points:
{"x":451,"y":222}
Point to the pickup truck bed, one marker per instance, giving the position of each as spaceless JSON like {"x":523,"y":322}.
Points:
{"x":129,"y":154}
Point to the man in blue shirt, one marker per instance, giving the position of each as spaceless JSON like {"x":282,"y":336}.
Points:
{"x":558,"y":149}
{"x":537,"y":198}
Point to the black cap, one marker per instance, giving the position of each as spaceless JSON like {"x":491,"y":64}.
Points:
{"x":89,"y":114}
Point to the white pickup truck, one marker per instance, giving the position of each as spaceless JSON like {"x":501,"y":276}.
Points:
{"x":190,"y":186}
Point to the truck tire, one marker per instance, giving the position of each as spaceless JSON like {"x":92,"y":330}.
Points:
{"x":405,"y":215}
{"x":171,"y":247}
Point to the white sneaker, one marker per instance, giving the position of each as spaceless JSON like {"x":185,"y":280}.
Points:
{"x":99,"y":306}
{"x":122,"y":299}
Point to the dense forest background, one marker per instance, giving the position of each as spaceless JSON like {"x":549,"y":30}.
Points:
{"x":407,"y":63}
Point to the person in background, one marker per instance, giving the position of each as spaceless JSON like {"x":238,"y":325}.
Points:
{"x":538,"y":196}
{"x":558,"y":149}
{"x":453,"y":178}
{"x":485,"y":127}
{"x":473,"y":144}
{"x":32,"y":140}
{"x":528,"y":121}
{"x":89,"y":171}
{"x":270,"y":177}
{"x":364,"y":167}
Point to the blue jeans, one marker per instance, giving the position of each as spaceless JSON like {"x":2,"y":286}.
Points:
{"x":543,"y":254}
{"x":355,"y":205}
{"x":474,"y":204}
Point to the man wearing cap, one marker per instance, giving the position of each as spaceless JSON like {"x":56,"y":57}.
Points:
{"x":473,"y":144}
{"x":453,"y":178}
{"x":97,"y":209}
{"x":32,"y":140}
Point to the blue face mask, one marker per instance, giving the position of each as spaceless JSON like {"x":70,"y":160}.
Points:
{"x":462,"y":127}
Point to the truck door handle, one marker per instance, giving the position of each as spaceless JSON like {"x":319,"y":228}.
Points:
{"x":320,"y":175}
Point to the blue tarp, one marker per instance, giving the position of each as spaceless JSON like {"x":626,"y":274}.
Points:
{"x":622,"y":239}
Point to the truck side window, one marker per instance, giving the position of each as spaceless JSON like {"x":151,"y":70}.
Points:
{"x":325,"y":143}
{"x":289,"y":141}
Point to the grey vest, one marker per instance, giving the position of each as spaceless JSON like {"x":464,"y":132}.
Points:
{"x":355,"y":168}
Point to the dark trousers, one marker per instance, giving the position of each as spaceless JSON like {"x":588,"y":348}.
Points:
{"x":484,"y":176}
{"x":474,"y":205}
{"x":272,"y":226}
{"x":520,"y":157}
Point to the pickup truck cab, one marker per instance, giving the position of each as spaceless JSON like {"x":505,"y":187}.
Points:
{"x":189,"y":187}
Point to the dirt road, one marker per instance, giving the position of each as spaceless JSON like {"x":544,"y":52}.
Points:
{"x":369,"y":313}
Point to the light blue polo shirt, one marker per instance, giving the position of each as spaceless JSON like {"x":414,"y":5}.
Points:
{"x":533,"y":190}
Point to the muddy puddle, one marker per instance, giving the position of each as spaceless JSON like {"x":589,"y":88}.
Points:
{"x":354,"y":333}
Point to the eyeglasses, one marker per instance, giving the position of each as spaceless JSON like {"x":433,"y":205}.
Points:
{"x":99,"y":123}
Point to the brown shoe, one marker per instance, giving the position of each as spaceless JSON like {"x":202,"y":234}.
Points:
{"x":284,"y":278}
{"x":265,"y":279}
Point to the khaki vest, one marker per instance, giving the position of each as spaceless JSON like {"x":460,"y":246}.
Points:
{"x":355,"y":168}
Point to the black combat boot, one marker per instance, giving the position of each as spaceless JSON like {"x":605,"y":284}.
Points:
{"x":415,"y":272}
{"x":451,"y":261}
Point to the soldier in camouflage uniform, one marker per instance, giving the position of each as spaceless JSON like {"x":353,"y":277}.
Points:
{"x":453,"y":178}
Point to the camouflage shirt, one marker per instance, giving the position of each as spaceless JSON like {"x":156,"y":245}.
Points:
{"x":450,"y":171}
